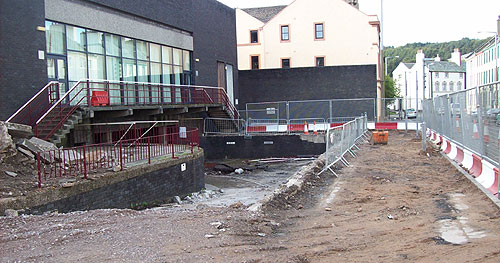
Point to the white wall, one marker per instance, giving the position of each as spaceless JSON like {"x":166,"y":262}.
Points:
{"x":349,"y":38}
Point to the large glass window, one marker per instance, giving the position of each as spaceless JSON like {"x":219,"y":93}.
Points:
{"x":166,"y":55}
{"x":156,"y":72}
{"x":76,"y":37}
{"x":142,"y":50}
{"x":95,"y":41}
{"x":128,"y":47}
{"x":113,"y":68}
{"x":177,"y":56}
{"x":112,"y":45}
{"x":55,"y":36}
{"x":187,"y":60}
{"x":155,"y":52}
{"x":77,"y":66}
{"x":96,"y":67}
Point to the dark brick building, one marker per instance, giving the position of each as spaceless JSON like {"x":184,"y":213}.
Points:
{"x":163,"y":41}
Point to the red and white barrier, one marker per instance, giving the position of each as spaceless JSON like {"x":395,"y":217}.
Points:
{"x":453,"y":151}
{"x":483,"y":171}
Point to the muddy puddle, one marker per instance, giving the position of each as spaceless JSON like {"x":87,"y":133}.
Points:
{"x":257,"y":181}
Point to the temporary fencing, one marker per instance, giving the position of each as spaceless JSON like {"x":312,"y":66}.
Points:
{"x":342,"y":139}
{"x":467,"y":123}
{"x":82,"y":160}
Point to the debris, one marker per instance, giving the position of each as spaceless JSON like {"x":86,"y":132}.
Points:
{"x":236,"y":205}
{"x":26,"y":152}
{"x":221,"y":190}
{"x":360,"y":209}
{"x":261,"y":234}
{"x":390,"y":216}
{"x":67,"y":185}
{"x":7,"y":148}
{"x":11,"y":213}
{"x":11,"y":174}
{"x":209,"y":236}
{"x":300,"y":206}
{"x":116,"y":168}
{"x":217,"y":224}
{"x":177,"y":200}
{"x":188,"y":198}
{"x":223,"y":168}
{"x":239,"y":171}
{"x":328,"y":209}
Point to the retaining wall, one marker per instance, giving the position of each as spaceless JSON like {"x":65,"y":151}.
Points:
{"x":153,"y":183}
{"x":253,"y":147}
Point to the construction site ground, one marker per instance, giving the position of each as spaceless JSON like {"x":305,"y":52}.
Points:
{"x":393,"y":204}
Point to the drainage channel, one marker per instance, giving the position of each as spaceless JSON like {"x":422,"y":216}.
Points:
{"x":252,"y":183}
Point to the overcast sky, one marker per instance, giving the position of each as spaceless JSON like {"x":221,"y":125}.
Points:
{"x":408,"y":21}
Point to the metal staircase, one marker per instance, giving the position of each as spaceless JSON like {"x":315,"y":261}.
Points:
{"x":53,"y":116}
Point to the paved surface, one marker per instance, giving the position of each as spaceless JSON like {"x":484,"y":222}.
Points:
{"x":392,"y":205}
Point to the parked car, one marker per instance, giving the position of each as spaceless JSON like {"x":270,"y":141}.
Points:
{"x":411,"y":113}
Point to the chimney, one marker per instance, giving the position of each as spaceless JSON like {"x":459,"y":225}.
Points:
{"x":456,"y":57}
{"x":419,"y":58}
{"x":437,"y":58}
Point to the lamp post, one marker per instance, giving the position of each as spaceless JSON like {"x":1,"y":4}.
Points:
{"x":385,"y":62}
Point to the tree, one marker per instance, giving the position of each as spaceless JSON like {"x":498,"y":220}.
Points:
{"x":391,"y":91}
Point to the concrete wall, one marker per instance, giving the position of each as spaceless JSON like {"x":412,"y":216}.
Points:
{"x":151,"y":187}
{"x":338,"y":82}
{"x":350,"y":36}
{"x":240,"y":147}
{"x":22,"y":73}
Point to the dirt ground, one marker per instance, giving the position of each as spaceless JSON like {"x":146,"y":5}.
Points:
{"x":392,"y":205}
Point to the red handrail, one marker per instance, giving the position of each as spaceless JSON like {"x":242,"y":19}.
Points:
{"x":35,"y":107}
{"x":127,"y":93}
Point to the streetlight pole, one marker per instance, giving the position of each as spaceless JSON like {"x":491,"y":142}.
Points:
{"x":385,"y":62}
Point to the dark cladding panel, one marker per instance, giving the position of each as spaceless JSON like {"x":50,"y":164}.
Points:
{"x":22,"y":73}
{"x":313,"y":83}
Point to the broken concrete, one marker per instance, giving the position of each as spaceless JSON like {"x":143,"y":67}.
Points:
{"x":17,"y":130}
{"x":7,"y":148}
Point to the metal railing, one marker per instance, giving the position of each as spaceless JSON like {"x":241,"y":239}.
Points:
{"x":470,"y":118}
{"x":342,"y":139}
{"x":220,"y":126}
{"x":35,"y":107}
{"x":96,"y":158}
{"x":53,"y":113}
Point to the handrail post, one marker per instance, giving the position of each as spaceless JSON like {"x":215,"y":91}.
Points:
{"x":149,"y":150}
{"x":84,"y":163}
{"x":39,"y":170}
{"x":121,"y":157}
{"x":173,"y":148}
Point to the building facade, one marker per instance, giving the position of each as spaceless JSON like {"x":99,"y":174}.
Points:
{"x":482,"y":64}
{"x":306,"y":34}
{"x":164,"y":41}
{"x":428,"y":78}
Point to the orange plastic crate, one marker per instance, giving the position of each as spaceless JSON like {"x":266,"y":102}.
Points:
{"x":380,"y":137}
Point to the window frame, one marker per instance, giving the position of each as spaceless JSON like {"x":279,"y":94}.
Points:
{"x":257,"y":35}
{"x":281,"y":32}
{"x":322,"y":31}
{"x":316,"y":61}
{"x":289,"y":62}
{"x":258,"y":61}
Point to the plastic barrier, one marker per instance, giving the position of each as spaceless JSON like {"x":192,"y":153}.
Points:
{"x":460,"y":156}
{"x":386,"y":125}
{"x":477,"y":166}
{"x":453,"y":151}
{"x":468,"y":161}
{"x":447,"y":148}
{"x":99,"y":98}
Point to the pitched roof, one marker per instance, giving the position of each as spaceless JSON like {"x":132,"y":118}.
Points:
{"x":409,"y":65}
{"x":445,"y":66}
{"x":264,"y":14}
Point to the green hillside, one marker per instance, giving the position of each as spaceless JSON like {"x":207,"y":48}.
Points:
{"x":407,"y":52}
